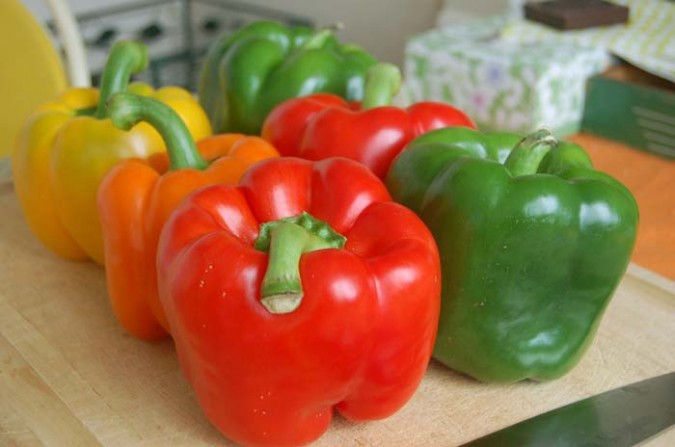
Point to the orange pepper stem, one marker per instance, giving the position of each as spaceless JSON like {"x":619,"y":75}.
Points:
{"x":126,"y":110}
{"x":382,"y":83}
{"x":525,"y":157}
{"x":287,"y":240}
{"x":126,"y":58}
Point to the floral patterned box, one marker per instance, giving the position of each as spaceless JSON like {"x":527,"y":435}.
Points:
{"x":502,"y":85}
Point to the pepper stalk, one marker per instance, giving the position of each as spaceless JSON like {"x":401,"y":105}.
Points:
{"x":286,"y":240}
{"x":527,"y":155}
{"x":126,"y":58}
{"x":382,"y":83}
{"x":127,"y":109}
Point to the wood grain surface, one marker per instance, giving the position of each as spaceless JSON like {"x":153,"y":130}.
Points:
{"x":70,"y":376}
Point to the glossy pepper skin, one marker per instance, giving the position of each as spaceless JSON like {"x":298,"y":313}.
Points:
{"x":137,"y":196}
{"x":371,"y":132}
{"x":533,"y":242}
{"x":32,"y":174}
{"x":303,"y":290}
{"x":67,"y":147}
{"x":247,"y":73}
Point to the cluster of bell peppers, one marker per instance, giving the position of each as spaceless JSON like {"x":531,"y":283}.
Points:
{"x":315,"y":256}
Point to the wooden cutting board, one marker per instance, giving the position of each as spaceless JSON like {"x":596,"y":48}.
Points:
{"x":70,"y":376}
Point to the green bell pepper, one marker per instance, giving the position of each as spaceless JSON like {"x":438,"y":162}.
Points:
{"x":533,"y":243}
{"x":247,"y":73}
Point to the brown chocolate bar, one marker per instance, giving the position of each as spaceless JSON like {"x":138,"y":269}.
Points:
{"x":576,"y":14}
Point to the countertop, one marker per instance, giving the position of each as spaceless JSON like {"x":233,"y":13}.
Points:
{"x":70,"y":376}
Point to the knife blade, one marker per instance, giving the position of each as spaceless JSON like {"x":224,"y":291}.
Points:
{"x":621,"y":417}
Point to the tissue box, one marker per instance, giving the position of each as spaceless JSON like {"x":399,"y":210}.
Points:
{"x":502,"y":85}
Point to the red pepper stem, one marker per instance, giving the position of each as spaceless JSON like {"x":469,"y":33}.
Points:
{"x":287,"y":240}
{"x":127,"y":109}
{"x":527,"y":155}
{"x":383,"y":81}
{"x":125,"y":59}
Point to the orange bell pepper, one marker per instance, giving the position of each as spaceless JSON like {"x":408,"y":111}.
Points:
{"x":137,"y":196}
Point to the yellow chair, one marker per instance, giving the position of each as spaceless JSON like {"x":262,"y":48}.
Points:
{"x":32,"y":69}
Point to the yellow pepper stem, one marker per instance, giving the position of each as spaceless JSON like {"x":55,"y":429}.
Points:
{"x":126,"y":58}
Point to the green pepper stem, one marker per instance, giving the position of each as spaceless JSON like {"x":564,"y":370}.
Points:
{"x":526,"y":156}
{"x":127,"y":109}
{"x":125,"y":59}
{"x":319,"y":38}
{"x":287,"y":240}
{"x":382,"y":83}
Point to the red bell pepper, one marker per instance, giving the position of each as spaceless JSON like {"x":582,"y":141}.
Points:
{"x":302,"y":290}
{"x":372,"y":132}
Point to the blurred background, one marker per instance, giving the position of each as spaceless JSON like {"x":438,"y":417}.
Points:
{"x":173,"y":27}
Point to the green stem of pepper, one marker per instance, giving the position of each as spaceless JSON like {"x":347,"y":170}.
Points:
{"x":126,"y":110}
{"x":126,"y":58}
{"x":526,"y":156}
{"x":382,"y":83}
{"x":286,"y":240}
{"x":320,"y":37}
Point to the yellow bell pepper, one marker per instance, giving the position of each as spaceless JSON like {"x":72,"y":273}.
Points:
{"x":66,"y":147}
